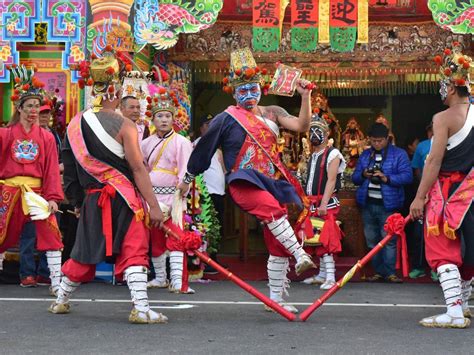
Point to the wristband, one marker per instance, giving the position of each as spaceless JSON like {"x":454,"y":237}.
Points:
{"x":188,"y":178}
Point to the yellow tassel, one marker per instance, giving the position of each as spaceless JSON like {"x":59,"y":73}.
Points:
{"x":449,"y":232}
{"x":433,"y":230}
{"x":97,"y":103}
{"x":140,"y":215}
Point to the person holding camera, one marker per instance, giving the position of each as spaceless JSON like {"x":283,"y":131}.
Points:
{"x":381,"y":173}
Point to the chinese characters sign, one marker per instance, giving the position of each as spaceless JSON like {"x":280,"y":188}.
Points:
{"x":343,"y":24}
{"x":304,"y":25}
{"x":266,"y":25}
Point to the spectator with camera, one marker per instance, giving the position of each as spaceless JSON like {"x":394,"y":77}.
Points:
{"x":381,"y":173}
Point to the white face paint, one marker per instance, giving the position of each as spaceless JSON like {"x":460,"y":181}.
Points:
{"x":443,"y":89}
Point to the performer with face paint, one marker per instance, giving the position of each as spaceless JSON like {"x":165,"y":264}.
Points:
{"x":166,"y":154}
{"x":29,"y":161}
{"x":323,"y":180}
{"x":447,"y":188}
{"x":258,"y":181}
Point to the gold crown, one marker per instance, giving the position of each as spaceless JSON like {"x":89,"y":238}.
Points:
{"x":243,"y":70}
{"x":455,"y":66}
{"x":162,"y":99}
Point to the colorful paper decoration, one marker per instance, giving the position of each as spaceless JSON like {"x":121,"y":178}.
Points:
{"x":455,"y":16}
{"x":160,"y":22}
{"x":66,"y":22}
{"x":304,"y":25}
{"x":343,"y":25}
{"x":266,"y":25}
{"x":284,"y":80}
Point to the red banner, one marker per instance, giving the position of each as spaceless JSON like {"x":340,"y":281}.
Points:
{"x":343,"y":13}
{"x":266,"y":13}
{"x":304,"y":13}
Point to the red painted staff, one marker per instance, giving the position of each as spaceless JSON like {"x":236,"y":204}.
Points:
{"x":395,"y":225}
{"x":191,"y":242}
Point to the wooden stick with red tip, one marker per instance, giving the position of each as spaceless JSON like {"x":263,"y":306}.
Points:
{"x":342,"y":281}
{"x":239,"y":282}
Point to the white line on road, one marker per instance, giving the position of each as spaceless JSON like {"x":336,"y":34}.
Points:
{"x":239,"y":303}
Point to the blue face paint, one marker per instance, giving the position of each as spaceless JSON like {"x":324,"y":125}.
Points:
{"x":248,"y":95}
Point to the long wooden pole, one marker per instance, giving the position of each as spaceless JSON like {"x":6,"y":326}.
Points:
{"x":342,"y":281}
{"x":238,"y":281}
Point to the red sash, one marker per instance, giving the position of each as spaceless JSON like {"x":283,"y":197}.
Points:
{"x":10,"y":196}
{"x":445,"y":212}
{"x":102,"y":172}
{"x":259,"y":152}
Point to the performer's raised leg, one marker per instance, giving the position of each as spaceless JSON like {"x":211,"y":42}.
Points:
{"x":285,"y":234}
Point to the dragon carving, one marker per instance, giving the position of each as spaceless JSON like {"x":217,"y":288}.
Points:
{"x":160,"y":22}
{"x":454,"y":15}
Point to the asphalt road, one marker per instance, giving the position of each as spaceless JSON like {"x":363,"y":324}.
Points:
{"x":222,"y":319}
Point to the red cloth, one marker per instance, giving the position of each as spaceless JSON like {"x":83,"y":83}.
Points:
{"x":395,"y":225}
{"x":104,"y":202}
{"x":39,"y":161}
{"x":262,"y":205}
{"x":331,"y":234}
{"x":440,"y":250}
{"x":160,"y":243}
{"x":134,"y":253}
{"x":48,"y":236}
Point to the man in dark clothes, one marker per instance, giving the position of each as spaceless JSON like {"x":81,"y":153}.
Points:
{"x":101,"y":156}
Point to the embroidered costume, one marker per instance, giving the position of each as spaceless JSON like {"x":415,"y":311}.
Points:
{"x":99,"y":180}
{"x":323,"y":235}
{"x":29,"y":161}
{"x":166,"y":158}
{"x":258,"y":181}
{"x":449,"y":230}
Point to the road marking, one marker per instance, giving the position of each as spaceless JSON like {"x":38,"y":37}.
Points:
{"x":176,"y":306}
{"x":237,"y":303}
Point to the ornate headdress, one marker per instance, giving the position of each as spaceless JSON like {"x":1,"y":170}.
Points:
{"x":455,"y":67}
{"x":243,"y":70}
{"x":161,"y":99}
{"x":104,"y":74}
{"x":319,"y":122}
{"x":26,"y":85}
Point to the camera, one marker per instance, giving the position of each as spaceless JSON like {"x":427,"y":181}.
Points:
{"x":375,"y":179}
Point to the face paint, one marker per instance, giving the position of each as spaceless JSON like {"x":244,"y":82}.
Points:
{"x":443,"y":89}
{"x":248,"y":95}
{"x":316,"y":135}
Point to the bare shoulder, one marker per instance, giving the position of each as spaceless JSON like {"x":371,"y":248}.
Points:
{"x":112,"y":122}
{"x":274,"y":112}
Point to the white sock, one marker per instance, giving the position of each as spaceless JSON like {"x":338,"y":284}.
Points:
{"x":285,"y":234}
{"x":66,"y":288}
{"x":322,"y":269}
{"x":176,"y":269}
{"x":159,"y":265}
{"x":277,"y":268}
{"x":330,"y":267}
{"x":53,"y":258}
{"x":450,"y":281}
{"x":137,"y":277}
{"x":466,"y":290}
